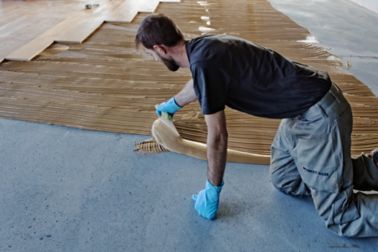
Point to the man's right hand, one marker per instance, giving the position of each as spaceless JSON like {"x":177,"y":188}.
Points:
{"x":170,"y":107}
{"x":206,"y":202}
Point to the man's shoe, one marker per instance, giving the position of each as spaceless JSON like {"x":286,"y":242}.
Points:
{"x":374,"y":156}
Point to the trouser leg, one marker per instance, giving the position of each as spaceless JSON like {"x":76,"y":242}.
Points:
{"x":322,"y":154}
{"x":283,"y":170}
{"x":365,"y":173}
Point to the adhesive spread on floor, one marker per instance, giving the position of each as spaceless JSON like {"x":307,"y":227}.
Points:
{"x":105,"y":84}
{"x":149,"y":145}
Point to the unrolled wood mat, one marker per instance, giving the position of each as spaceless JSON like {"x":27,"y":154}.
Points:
{"x":105,"y":84}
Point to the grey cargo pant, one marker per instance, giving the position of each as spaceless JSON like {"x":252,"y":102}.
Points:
{"x":311,"y":156}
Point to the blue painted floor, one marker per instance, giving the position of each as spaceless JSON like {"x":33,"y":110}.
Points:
{"x":66,"y":189}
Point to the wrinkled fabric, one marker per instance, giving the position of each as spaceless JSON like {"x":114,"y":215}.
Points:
{"x":234,"y":72}
{"x":311,"y":156}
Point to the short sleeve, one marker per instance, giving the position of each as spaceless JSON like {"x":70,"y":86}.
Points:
{"x":211,"y":87}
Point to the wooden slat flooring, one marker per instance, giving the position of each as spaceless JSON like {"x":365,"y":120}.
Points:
{"x":82,"y":30}
{"x":69,"y":23}
{"x":147,"y":5}
{"x":105,"y":84}
{"x":23,"y":21}
{"x":30,"y":50}
{"x":125,"y":12}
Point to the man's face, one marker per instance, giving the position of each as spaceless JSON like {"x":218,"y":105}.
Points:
{"x":168,"y":61}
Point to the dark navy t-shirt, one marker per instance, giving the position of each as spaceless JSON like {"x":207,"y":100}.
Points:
{"x":230,"y":71}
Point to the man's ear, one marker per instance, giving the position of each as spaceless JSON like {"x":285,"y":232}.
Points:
{"x":160,"y":49}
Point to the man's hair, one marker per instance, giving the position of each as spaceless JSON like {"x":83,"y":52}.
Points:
{"x":158,"y":29}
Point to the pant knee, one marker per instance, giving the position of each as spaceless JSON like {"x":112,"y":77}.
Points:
{"x":283,"y":189}
{"x":276,"y":180}
{"x":290,"y":185}
{"x":339,"y":212}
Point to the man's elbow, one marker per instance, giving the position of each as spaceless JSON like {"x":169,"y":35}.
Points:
{"x":220,"y":140}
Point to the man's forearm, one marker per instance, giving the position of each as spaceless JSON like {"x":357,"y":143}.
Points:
{"x":216,"y":158}
{"x":186,"y":95}
{"x":207,"y":200}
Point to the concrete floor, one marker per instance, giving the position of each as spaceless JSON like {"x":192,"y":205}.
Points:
{"x":369,"y":4}
{"x":346,"y":29}
{"x":75,"y":190}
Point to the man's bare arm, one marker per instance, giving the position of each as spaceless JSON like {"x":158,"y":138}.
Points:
{"x":186,"y":95}
{"x":216,"y":146}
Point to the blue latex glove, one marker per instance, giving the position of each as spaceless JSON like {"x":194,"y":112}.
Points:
{"x":170,"y":106}
{"x":207,"y":201}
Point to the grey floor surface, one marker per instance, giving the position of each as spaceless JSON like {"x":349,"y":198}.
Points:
{"x":346,"y":29}
{"x":67,"y":189}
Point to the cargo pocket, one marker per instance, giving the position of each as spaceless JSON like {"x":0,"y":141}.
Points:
{"x":320,"y":160}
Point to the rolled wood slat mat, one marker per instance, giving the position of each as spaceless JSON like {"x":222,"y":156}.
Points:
{"x":105,"y":84}
{"x":166,"y":134}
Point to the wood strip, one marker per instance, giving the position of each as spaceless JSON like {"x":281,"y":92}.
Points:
{"x":125,"y":12}
{"x":147,"y":5}
{"x":80,"y":31}
{"x":30,"y":50}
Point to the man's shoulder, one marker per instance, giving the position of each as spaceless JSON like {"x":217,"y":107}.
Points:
{"x":210,"y":42}
{"x":206,"y":50}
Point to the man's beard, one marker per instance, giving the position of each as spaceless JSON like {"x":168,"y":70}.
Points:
{"x":170,"y":64}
